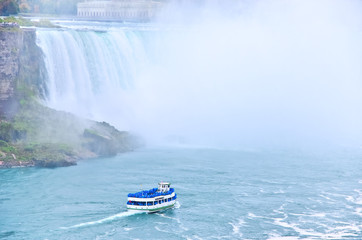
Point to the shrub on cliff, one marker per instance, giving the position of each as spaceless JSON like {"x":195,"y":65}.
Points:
{"x":49,"y":6}
{"x":9,"y":7}
{"x":45,"y":23}
{"x":6,"y":130}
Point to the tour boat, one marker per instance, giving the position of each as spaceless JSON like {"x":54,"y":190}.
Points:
{"x":153,"y":200}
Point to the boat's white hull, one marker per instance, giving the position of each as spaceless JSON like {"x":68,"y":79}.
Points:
{"x":151,"y":209}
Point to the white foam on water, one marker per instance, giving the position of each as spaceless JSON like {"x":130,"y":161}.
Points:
{"x":280,"y":191}
{"x":252,"y":215}
{"x":334,"y":194}
{"x":175,"y":219}
{"x":106,"y":235}
{"x":177,"y":205}
{"x":350,"y":199}
{"x":164,"y":216}
{"x":356,"y":200}
{"x":331,"y":233}
{"x":161,"y":230}
{"x":104,"y":220}
{"x":283,"y":238}
{"x":359,"y":211}
{"x":319,"y":215}
{"x":269,"y":181}
{"x":236,"y":227}
{"x":221,"y":237}
{"x":315,"y":200}
{"x":193,"y":237}
{"x":349,"y":227}
{"x":197,"y":237}
{"x":327,"y":198}
{"x":359,"y":198}
{"x":162,"y":223}
{"x":280,"y":209}
{"x":342,"y":230}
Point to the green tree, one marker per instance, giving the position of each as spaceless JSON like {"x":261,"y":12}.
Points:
{"x":24,"y":6}
{"x":60,"y":7}
{"x":9,"y":7}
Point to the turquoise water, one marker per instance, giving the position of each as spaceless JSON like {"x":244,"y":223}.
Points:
{"x":222,"y":194}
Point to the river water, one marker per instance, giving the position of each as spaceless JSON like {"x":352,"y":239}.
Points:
{"x":222,"y":194}
{"x":282,"y":75}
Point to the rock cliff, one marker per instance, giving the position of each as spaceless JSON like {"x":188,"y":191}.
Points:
{"x":20,"y":64}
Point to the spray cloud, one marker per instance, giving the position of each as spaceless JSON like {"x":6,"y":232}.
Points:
{"x":223,"y":73}
{"x":260,"y":73}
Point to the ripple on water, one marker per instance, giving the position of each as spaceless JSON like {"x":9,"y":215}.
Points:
{"x":6,"y":234}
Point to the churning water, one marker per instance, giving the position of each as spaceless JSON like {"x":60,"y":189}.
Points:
{"x":221,"y":195}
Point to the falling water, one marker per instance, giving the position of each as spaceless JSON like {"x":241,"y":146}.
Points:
{"x":90,"y":72}
{"x":280,"y":73}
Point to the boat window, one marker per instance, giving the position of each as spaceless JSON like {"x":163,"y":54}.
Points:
{"x":155,"y":202}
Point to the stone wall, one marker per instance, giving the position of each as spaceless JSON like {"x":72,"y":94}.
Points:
{"x":124,"y":10}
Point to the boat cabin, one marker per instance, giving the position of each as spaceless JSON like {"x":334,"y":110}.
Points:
{"x":163,"y":187}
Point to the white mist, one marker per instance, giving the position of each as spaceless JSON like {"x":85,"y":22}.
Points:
{"x":260,"y":74}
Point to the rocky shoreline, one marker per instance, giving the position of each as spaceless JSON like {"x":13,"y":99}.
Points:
{"x":37,"y":136}
{"x":49,"y":138}
{"x":22,"y":164}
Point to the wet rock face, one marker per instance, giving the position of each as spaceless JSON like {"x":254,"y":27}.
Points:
{"x":21,"y":64}
{"x":54,"y":164}
{"x":10,"y":45}
{"x":105,"y":140}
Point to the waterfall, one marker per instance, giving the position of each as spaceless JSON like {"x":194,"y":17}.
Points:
{"x":90,"y":72}
{"x":282,"y":73}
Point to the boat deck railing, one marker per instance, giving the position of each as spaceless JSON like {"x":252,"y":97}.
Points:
{"x":150,"y":193}
{"x":136,"y":203}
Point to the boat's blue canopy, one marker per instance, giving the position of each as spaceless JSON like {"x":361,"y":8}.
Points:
{"x":150,"y":193}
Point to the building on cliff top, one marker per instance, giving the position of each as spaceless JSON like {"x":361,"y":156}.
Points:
{"x":121,"y":10}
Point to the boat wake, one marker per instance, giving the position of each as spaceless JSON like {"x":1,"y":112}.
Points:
{"x":103,"y":220}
